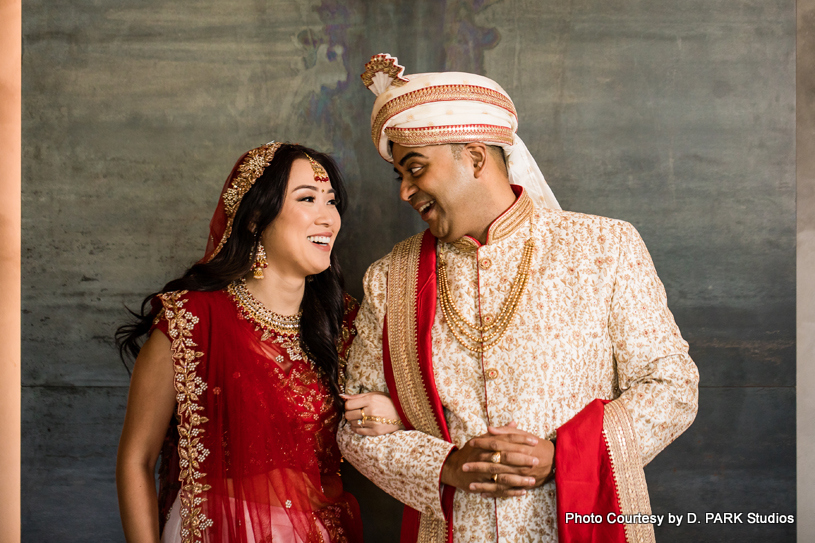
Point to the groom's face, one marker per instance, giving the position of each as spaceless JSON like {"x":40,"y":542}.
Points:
{"x":438,"y":186}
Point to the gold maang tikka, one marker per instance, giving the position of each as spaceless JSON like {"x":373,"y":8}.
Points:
{"x":320,"y":174}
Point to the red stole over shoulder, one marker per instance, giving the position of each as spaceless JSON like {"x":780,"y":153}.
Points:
{"x":598,"y":468}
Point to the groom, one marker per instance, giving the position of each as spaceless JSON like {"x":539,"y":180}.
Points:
{"x":529,"y":351}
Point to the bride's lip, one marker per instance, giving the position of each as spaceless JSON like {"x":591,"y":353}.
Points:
{"x":321,"y":241}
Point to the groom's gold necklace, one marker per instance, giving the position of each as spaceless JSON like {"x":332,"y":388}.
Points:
{"x":476,"y":338}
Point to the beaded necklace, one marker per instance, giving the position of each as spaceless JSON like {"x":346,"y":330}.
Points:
{"x":480,"y":339}
{"x":251,"y":307}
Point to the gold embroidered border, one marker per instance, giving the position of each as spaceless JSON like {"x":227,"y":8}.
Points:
{"x":505,"y":225}
{"x":462,"y":133}
{"x":512,"y":219}
{"x":252,"y":167}
{"x":402,"y":338}
{"x":431,"y":529}
{"x":189,"y":388}
{"x":626,"y":463}
{"x":439,"y":93}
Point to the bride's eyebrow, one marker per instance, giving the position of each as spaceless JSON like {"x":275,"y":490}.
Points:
{"x":312,"y":187}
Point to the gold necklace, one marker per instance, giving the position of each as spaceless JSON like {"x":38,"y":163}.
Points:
{"x":480,"y":339}
{"x":254,"y":310}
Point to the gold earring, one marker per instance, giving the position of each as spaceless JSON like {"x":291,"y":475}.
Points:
{"x":260,"y":261}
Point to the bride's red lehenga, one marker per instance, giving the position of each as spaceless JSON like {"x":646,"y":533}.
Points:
{"x":251,"y":454}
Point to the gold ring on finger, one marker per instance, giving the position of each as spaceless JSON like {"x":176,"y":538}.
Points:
{"x":496,"y":457}
{"x":364,"y":418}
{"x":495,"y":478}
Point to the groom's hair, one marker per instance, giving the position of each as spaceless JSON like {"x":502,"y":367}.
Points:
{"x":496,"y":152}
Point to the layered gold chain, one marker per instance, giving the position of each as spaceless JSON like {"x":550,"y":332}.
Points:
{"x":476,"y":338}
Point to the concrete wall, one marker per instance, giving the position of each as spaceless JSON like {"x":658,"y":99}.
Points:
{"x":676,"y":116}
{"x":805,"y":116}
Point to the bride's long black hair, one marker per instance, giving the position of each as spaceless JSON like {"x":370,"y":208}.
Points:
{"x":322,"y":305}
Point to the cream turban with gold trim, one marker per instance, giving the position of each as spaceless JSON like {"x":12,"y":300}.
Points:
{"x":449,"y":107}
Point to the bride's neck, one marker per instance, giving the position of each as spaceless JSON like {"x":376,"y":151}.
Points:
{"x":279,"y":293}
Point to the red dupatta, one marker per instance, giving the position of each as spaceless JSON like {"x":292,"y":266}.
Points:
{"x":598,"y":468}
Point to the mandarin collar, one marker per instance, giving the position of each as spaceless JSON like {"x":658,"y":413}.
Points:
{"x":505,"y":225}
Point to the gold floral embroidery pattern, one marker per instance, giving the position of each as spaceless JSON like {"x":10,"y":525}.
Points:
{"x":439,"y":93}
{"x":512,"y":219}
{"x":436,"y":135}
{"x":402,"y":338}
{"x":331,"y":519}
{"x":189,"y":387}
{"x":629,"y":477}
{"x":250,"y":169}
{"x":285,"y":331}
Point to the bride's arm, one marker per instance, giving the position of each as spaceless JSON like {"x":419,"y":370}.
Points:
{"x":150,"y":406}
{"x":371,"y":414}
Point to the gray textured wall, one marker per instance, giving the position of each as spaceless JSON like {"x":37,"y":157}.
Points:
{"x":677,"y":116}
{"x":805,"y":159}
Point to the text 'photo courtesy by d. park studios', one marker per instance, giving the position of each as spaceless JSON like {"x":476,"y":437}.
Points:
{"x":678,"y":519}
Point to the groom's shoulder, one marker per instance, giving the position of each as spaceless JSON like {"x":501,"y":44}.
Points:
{"x":378,"y":271}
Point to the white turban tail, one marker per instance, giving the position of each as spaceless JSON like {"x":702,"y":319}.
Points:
{"x":449,"y":107}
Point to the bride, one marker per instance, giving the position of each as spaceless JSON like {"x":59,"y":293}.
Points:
{"x":239,"y":391}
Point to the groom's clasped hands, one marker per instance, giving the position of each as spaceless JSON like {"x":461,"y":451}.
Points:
{"x":504,"y":462}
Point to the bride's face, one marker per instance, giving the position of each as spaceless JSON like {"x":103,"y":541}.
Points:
{"x":300,"y":239}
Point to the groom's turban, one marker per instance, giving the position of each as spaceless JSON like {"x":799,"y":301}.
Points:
{"x":449,"y":107}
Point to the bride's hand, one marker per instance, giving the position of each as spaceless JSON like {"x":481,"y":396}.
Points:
{"x":371,"y":414}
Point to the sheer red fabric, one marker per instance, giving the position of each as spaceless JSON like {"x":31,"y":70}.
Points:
{"x":255,"y":454}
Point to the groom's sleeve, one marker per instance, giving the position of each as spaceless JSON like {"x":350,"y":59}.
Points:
{"x":405,"y":464}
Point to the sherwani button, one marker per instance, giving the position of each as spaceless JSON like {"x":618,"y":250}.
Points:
{"x":485,"y":263}
{"x":492,"y":374}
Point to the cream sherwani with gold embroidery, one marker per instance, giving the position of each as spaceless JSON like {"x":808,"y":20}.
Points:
{"x":592,"y":323}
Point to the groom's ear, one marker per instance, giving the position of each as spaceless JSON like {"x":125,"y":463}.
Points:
{"x":476,"y":154}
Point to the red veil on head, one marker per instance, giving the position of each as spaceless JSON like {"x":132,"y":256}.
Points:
{"x":246,"y":171}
